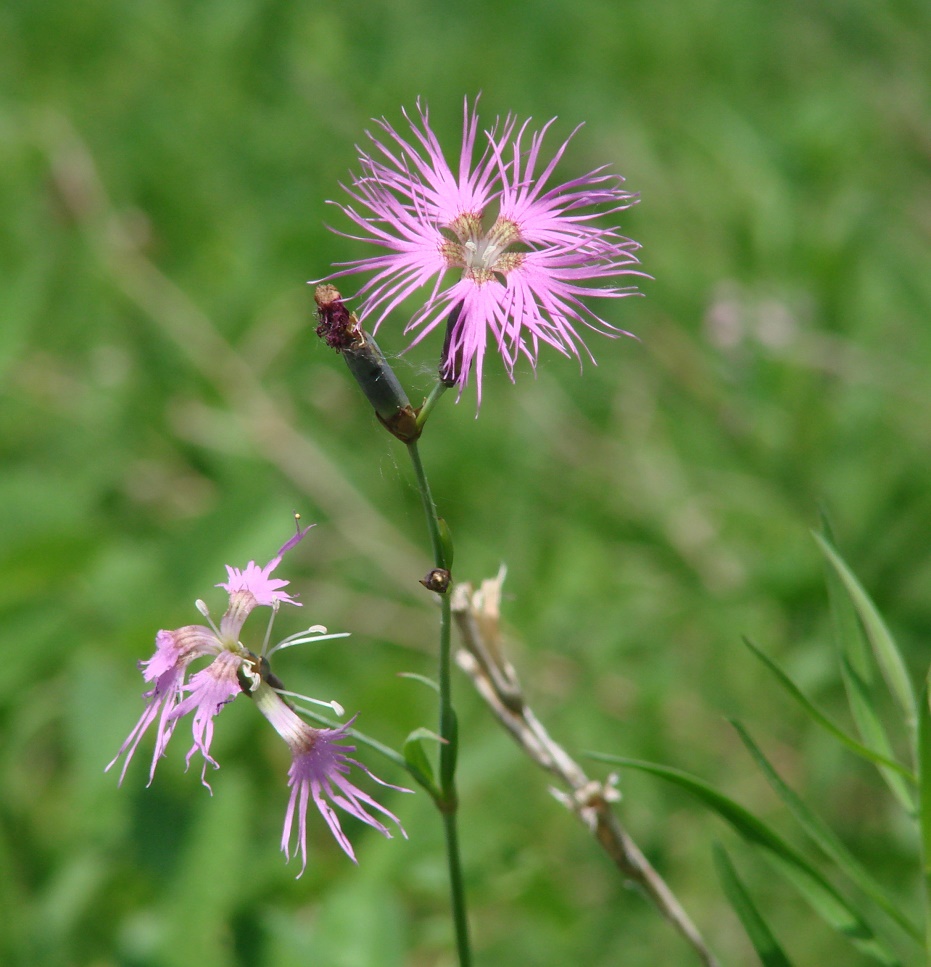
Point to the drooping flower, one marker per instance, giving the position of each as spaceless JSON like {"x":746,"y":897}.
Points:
{"x":210,"y":689}
{"x":319,"y":768}
{"x":319,"y":762}
{"x":216,"y":685}
{"x":528,"y":253}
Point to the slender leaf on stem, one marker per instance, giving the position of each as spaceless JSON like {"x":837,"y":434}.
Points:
{"x":885,"y":650}
{"x":423,"y":679}
{"x":827,"y":840}
{"x":762,"y":938}
{"x":446,"y":540}
{"x":821,"y":895}
{"x":924,"y":771}
{"x":448,"y":761}
{"x":821,"y":719}
{"x":418,"y":763}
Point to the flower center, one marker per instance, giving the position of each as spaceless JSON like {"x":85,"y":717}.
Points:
{"x":482,"y":255}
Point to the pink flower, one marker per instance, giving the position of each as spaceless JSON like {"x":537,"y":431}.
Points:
{"x":167,"y":667}
{"x":527,"y":254}
{"x":258,"y":581}
{"x":214,"y":686}
{"x":319,"y":769}
{"x":319,"y":765}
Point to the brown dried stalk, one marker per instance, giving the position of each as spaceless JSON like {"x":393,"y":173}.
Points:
{"x":477,"y":615}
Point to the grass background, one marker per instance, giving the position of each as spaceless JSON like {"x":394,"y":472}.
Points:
{"x":164,"y":171}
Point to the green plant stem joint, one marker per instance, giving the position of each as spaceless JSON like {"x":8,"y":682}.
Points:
{"x":447,"y":802}
{"x":403,"y":424}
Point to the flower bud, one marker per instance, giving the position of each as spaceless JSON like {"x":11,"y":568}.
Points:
{"x":341,"y":330}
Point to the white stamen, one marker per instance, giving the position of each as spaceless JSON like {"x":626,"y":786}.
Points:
{"x":251,"y":674}
{"x":205,"y":611}
{"x":276,"y":604}
{"x":334,"y":705}
{"x":308,"y":635}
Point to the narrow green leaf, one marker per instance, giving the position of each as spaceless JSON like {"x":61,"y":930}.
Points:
{"x":821,"y":719}
{"x":762,"y":938}
{"x":858,"y":673}
{"x":924,"y":770}
{"x":870,"y":727}
{"x":448,"y":763}
{"x":885,"y":650}
{"x":823,"y":897}
{"x":417,"y":761}
{"x":849,"y":636}
{"x":446,"y":542}
{"x":414,"y":677}
{"x":826,"y":839}
{"x":426,"y":735}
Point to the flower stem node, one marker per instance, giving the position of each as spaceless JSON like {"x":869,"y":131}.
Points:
{"x":437,"y":580}
{"x":403,"y":424}
{"x":340,"y":330}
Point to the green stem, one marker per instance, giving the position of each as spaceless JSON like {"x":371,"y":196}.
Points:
{"x":448,"y":801}
{"x":923,"y":757}
{"x":439,"y":388}
{"x":433,"y":520}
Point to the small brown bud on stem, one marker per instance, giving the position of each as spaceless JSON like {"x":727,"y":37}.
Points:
{"x":437,"y":580}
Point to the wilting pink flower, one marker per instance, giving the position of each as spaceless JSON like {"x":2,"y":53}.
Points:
{"x":527,"y":253}
{"x":216,"y":685}
{"x":319,"y":763}
{"x":319,"y":769}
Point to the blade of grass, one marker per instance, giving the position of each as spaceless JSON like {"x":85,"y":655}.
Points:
{"x":857,"y":748}
{"x":870,"y":727}
{"x":826,"y":839}
{"x":885,"y":650}
{"x":849,"y":636}
{"x":821,"y":895}
{"x":763,"y":940}
{"x":858,"y":674}
{"x":924,"y":771}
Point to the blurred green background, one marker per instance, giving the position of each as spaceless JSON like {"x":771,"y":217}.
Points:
{"x":164,"y":172}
